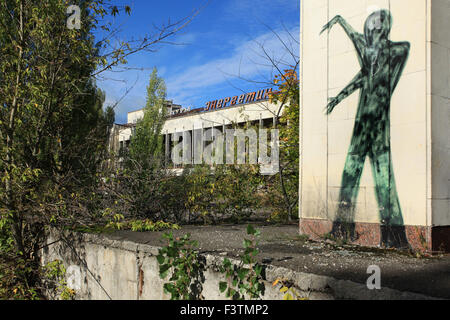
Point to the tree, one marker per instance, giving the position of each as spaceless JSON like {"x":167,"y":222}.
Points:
{"x":288,"y":96}
{"x":147,"y":141}
{"x":143,"y":178}
{"x":50,"y":107}
{"x":144,"y":188}
{"x":52,"y":126}
{"x":283,"y":187}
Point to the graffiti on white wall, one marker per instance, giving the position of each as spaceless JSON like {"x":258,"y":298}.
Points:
{"x":382,"y":62}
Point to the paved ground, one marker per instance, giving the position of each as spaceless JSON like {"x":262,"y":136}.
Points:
{"x":282,"y":246}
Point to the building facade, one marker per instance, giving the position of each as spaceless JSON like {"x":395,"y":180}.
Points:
{"x":375,"y":121}
{"x":248,"y":109}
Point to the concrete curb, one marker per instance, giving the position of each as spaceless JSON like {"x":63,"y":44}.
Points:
{"x":312,"y":286}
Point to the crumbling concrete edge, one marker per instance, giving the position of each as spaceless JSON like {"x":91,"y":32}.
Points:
{"x":318,"y":286}
{"x":329,"y":286}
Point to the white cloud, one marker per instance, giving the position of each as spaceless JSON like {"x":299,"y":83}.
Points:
{"x":246,"y":60}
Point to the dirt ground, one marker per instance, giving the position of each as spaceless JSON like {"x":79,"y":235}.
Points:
{"x":282,"y":246}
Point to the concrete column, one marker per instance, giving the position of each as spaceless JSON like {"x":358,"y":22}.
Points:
{"x":193,"y":144}
{"x":167,"y":148}
{"x":184,"y":143}
{"x":203,"y":142}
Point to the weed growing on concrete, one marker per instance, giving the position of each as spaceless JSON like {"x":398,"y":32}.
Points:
{"x":55,"y":274}
{"x":181,"y":261}
{"x":246,"y":279}
{"x":287,"y":287}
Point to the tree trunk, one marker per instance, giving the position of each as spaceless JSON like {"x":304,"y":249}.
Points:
{"x":17,"y":228}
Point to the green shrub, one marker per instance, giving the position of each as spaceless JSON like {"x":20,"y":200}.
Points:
{"x":181,"y":263}
{"x":246,"y":279}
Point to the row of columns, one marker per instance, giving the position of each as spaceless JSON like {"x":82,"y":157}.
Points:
{"x":168,"y":138}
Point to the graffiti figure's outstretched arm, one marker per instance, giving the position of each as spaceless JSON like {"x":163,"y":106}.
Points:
{"x":399,"y":52}
{"x":357,"y":38}
{"x":354,"y":85}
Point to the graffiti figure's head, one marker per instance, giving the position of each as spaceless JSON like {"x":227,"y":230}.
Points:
{"x":378,"y":26}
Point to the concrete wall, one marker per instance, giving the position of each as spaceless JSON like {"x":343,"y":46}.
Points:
{"x":419,"y":121}
{"x":125,"y":270}
{"x":134,"y":116}
{"x":440,"y":112}
{"x":100,"y":267}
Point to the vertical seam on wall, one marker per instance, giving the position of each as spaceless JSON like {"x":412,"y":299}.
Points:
{"x":328,"y":91}
{"x":427,"y":106}
{"x":300,"y":191}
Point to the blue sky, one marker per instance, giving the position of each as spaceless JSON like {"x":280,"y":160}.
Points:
{"x":220,"y":46}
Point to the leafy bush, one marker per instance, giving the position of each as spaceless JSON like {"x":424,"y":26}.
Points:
{"x":148,"y":225}
{"x":222,"y":192}
{"x":181,"y":262}
{"x":246,"y":279}
{"x":143,"y":191}
{"x":55,"y":273}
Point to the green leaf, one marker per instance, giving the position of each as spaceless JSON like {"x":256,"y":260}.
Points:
{"x":260,"y":287}
{"x":168,"y":235}
{"x":258,"y":270}
{"x":160,"y":259}
{"x":247,"y":243}
{"x":164,"y":270}
{"x":242,"y":273}
{"x":223,"y":286}
{"x":251,"y":230}
{"x":226,"y":263}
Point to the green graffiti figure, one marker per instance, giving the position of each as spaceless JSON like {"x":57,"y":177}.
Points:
{"x":382,"y":62}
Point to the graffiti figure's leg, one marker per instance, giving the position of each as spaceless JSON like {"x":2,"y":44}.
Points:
{"x":344,"y":226}
{"x":392,"y":226}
